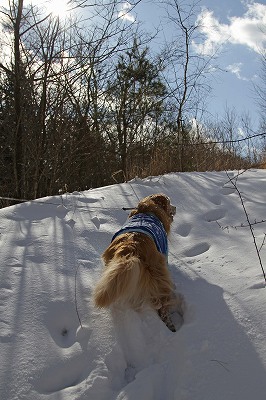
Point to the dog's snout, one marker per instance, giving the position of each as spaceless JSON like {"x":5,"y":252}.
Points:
{"x":173,"y":210}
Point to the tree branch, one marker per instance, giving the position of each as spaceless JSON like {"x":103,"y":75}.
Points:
{"x":249,"y":224}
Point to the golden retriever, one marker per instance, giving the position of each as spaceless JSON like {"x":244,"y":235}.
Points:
{"x":135,"y":263}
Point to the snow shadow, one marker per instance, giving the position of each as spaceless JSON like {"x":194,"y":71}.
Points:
{"x":216,"y":348}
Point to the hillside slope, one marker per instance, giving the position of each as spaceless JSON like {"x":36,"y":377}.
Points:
{"x":218,"y":353}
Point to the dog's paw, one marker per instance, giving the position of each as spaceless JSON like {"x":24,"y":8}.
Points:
{"x":170,"y":325}
{"x":177,"y":320}
{"x":165,"y":316}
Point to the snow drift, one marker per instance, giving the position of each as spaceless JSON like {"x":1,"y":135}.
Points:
{"x":219,"y":352}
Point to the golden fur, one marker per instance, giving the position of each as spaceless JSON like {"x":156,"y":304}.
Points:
{"x":135,"y":272}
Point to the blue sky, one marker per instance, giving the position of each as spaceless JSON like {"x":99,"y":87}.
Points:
{"x":238,"y":29}
{"x":241,"y":23}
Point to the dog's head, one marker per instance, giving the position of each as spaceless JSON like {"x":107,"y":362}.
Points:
{"x":159,"y":205}
{"x":164,"y":202}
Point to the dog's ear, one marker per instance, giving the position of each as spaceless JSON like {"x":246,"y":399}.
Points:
{"x":147,"y":204}
{"x":133,"y":212}
{"x":159,"y":205}
{"x":144,"y":206}
{"x":161,"y":200}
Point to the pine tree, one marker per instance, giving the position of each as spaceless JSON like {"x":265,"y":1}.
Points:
{"x":135,"y":103}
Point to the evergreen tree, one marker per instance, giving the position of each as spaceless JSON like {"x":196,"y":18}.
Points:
{"x":135,"y":101}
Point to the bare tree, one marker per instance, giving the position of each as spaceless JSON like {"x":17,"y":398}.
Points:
{"x":26,"y":67}
{"x":13,"y":21}
{"x":57,"y":73}
{"x":260,"y":93}
{"x":186,"y":71}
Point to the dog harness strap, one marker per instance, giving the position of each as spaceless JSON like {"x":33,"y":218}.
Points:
{"x":151,"y":226}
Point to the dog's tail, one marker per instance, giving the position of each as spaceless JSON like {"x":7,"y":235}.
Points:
{"x":118,"y":282}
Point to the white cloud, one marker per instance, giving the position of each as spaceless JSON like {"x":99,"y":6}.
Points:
{"x":236,"y":70}
{"x":241,"y":132}
{"x":248,"y":30}
{"x":124,"y":13}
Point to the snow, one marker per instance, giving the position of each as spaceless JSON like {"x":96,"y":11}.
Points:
{"x":218,"y":352}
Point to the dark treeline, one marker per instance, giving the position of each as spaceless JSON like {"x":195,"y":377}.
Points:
{"x":87,"y":104}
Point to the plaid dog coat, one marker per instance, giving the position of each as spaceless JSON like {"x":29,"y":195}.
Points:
{"x":151,"y":226}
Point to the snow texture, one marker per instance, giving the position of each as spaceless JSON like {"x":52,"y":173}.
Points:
{"x":219,"y":350}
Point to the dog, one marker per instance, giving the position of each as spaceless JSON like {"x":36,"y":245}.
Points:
{"x":135,"y":263}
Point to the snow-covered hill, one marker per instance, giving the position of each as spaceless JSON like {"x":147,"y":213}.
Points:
{"x":219,"y":352}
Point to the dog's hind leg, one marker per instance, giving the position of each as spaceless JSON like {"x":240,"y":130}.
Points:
{"x":165,"y":316}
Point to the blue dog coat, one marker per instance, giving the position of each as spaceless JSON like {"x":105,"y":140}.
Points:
{"x":150,"y":225}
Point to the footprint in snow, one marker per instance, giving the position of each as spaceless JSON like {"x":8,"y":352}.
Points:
{"x":98,"y":221}
{"x":226,"y":190}
{"x":214,"y":215}
{"x":260,"y":285}
{"x":71,"y":222}
{"x":67,"y":373}
{"x":62,"y":322}
{"x":63,"y":326}
{"x":85,"y":199}
{"x":196,"y":250}
{"x":184,"y":229}
{"x":216,"y":200}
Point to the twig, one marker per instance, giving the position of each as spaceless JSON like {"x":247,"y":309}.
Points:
{"x":237,"y":175}
{"x":222,"y":363}
{"x":37,"y":201}
{"x":76,"y":303}
{"x":263,"y":242}
{"x":211,"y":142}
{"x":252,"y":223}
{"x":223,"y":227}
{"x":249,"y":225}
{"x":241,"y":225}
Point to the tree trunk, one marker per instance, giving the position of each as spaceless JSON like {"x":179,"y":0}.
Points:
{"x":18,"y":143}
